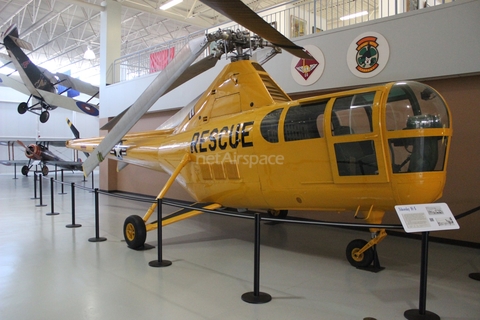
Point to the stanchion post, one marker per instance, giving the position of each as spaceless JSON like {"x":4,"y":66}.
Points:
{"x":97,"y":221}
{"x":73,"y":224}
{"x":421,"y":312}
{"x":40,"y":190}
{"x":61,"y":178}
{"x":34,"y":186}
{"x":15,"y":171}
{"x":52,"y":200}
{"x":256,"y":296}
{"x":160,"y":262}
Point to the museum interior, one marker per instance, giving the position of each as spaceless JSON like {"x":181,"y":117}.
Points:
{"x":307,"y":159}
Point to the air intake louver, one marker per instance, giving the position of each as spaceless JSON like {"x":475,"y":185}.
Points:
{"x":277,"y":94}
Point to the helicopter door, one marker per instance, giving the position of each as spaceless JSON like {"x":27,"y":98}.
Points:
{"x":355,"y":140}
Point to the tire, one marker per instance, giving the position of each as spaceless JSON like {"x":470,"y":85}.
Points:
{"x":134,"y":232}
{"x":362,"y":261}
{"x":22,"y":107}
{"x":25,"y":170}
{"x":45,"y":171}
{"x":280,"y":214}
{"x":44,"y":116}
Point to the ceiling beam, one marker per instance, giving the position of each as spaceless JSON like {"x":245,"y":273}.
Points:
{"x":142,"y":7}
{"x":86,"y":4}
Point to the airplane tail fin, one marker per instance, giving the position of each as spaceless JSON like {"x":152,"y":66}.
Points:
{"x":12,"y":32}
{"x":75,"y":131}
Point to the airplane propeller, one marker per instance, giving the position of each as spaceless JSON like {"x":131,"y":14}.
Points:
{"x":31,"y":152}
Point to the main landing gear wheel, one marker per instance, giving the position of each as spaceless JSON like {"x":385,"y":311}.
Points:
{"x":45,"y":171}
{"x":22,"y":107}
{"x":280,"y":214}
{"x":25,"y":170}
{"x":134,"y":232}
{"x":44,"y":116}
{"x":359,"y":260}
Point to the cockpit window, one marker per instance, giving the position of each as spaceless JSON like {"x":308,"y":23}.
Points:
{"x":352,"y":114}
{"x":410,"y":106}
{"x":269,"y":125}
{"x":414,"y":105}
{"x":418,"y":154}
{"x":305,"y":121}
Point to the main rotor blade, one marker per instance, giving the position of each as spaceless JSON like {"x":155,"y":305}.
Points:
{"x":155,"y":90}
{"x":191,"y":72}
{"x":243,"y":15}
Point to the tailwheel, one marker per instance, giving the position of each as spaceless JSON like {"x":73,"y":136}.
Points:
{"x":361,"y":260}
{"x":272,"y":213}
{"x":134,"y":232}
{"x":22,"y":107}
{"x":45,"y":171}
{"x":44,"y":116}
{"x":25,"y":170}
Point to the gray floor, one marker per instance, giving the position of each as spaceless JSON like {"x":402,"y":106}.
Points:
{"x":48,"y":271}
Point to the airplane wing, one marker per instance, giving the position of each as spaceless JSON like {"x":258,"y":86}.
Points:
{"x":70,"y":165}
{"x":12,"y":162}
{"x":5,"y":59}
{"x":14,"y":84}
{"x":69,"y":103}
{"x":78,"y":85}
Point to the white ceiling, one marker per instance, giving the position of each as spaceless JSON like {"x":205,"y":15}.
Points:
{"x":61,"y":30}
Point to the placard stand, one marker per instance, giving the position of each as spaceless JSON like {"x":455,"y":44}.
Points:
{"x":425,"y":218}
{"x":421,"y":312}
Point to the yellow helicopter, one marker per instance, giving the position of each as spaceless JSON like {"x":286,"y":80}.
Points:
{"x":244,"y":143}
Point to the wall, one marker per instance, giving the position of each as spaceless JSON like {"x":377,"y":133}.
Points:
{"x":433,"y":42}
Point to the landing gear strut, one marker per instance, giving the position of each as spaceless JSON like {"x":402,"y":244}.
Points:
{"x":363,"y":255}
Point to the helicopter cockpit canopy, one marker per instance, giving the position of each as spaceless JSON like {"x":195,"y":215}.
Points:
{"x":412,"y":111}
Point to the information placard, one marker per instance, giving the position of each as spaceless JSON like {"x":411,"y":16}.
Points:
{"x":426,"y":217}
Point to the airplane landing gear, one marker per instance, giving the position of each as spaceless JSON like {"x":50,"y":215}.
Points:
{"x":25,"y":170}
{"x":44,"y":116}
{"x":134,"y":232}
{"x":363,"y":255}
{"x":22,"y":107}
{"x":45,"y":171}
{"x":272,"y":213}
{"x":357,"y":258}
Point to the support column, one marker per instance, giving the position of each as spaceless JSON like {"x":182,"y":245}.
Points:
{"x":110,"y":49}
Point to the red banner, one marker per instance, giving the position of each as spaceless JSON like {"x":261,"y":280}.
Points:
{"x":160,"y":59}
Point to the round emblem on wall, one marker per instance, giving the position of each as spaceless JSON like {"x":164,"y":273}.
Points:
{"x":368,"y":54}
{"x":307,"y":71}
